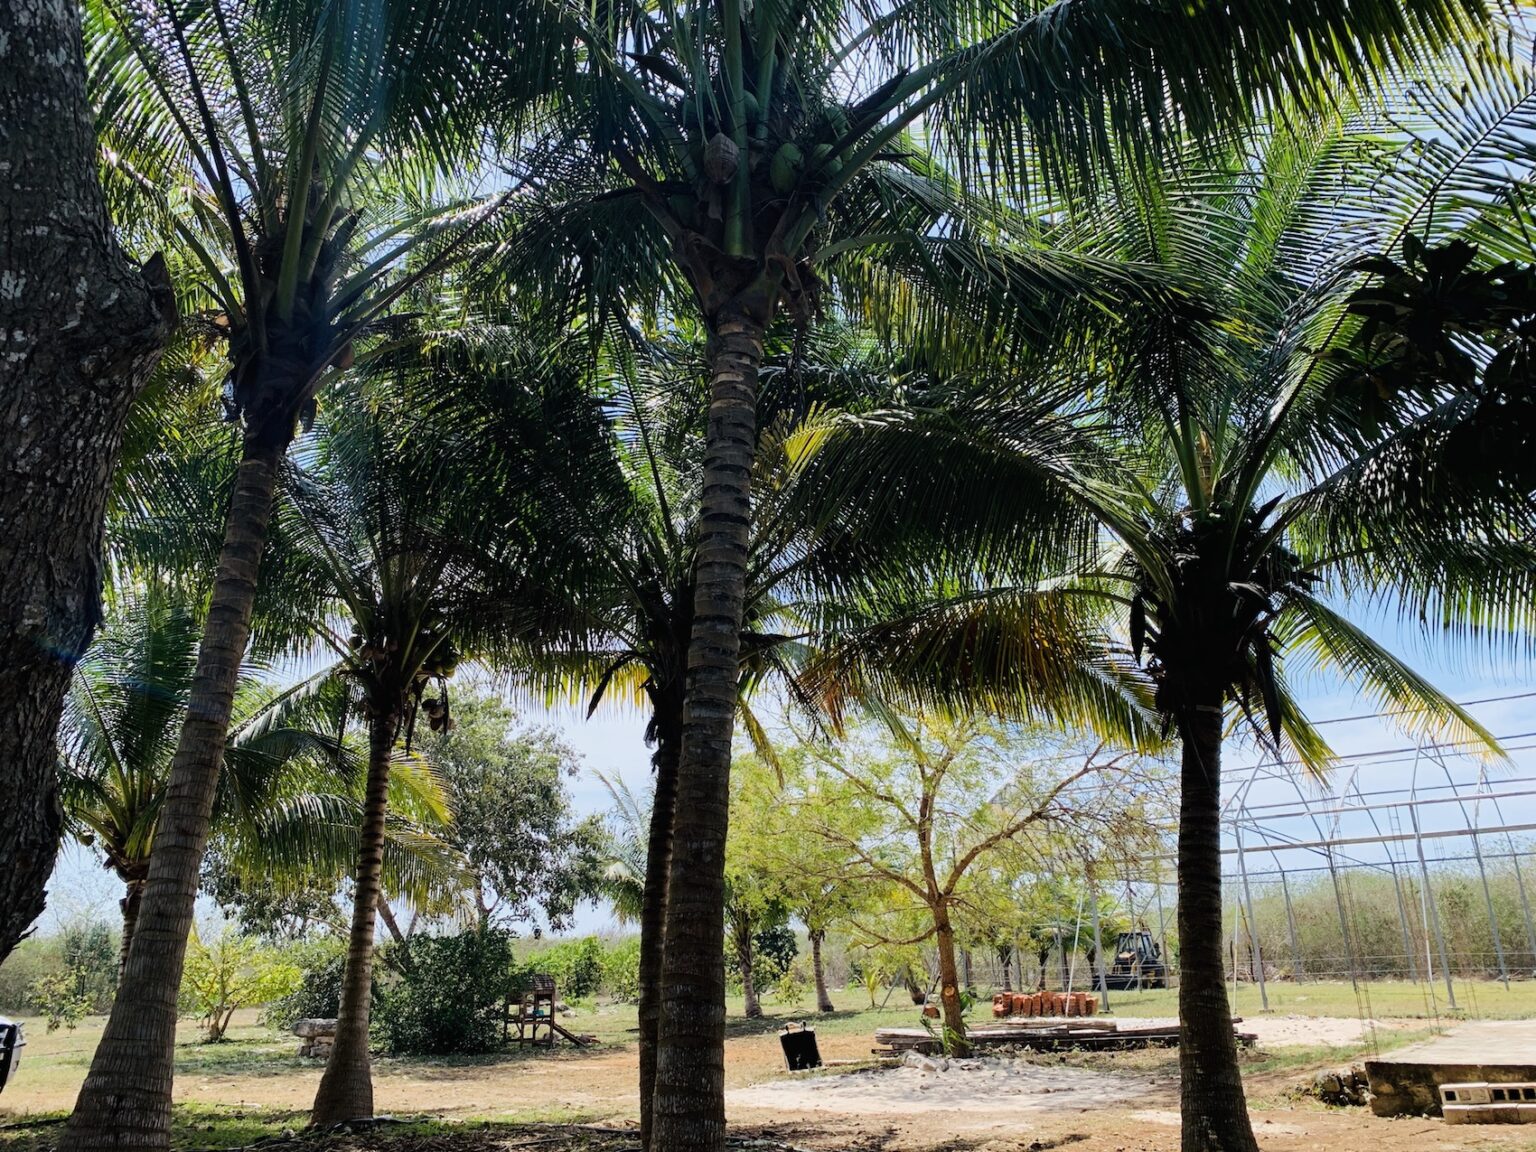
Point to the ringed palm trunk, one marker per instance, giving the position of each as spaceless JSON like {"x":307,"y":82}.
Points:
{"x":1215,"y":1113}
{"x":653,"y":912}
{"x":823,"y":1001}
{"x":125,"y":1102}
{"x":346,"y":1089}
{"x":949,"y":984}
{"x":689,"y":1109}
{"x":133,"y":899}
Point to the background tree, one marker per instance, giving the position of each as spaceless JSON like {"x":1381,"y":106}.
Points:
{"x":512,"y":822}
{"x":922,"y":805}
{"x":74,"y":360}
{"x":428,"y":556}
{"x":808,"y":874}
{"x":125,"y":708}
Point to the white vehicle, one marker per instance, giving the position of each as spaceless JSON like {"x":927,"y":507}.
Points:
{"x":11,"y":1043}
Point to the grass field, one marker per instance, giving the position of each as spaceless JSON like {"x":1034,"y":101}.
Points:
{"x":1381,"y":999}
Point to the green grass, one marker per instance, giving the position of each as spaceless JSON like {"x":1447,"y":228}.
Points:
{"x":1381,"y":999}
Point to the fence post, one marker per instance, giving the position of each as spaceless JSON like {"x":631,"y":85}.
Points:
{"x":1253,"y":928}
{"x":1432,"y":913}
{"x":1290,"y":921}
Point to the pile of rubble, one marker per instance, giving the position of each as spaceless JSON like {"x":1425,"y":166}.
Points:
{"x":1007,"y":1005}
{"x":316,"y":1037}
{"x":1348,"y":1087}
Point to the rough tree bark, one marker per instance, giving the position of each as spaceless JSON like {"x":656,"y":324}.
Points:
{"x":133,"y":897}
{"x":949,"y":983}
{"x":653,"y":906}
{"x":752,"y":1007}
{"x":689,"y":1103}
{"x":1211,"y":1085}
{"x":823,"y":1000}
{"x":125,"y":1102}
{"x":81,"y":328}
{"x":346,"y":1089}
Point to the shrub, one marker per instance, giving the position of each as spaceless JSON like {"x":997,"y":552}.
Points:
{"x":621,"y":969}
{"x":448,"y":994}
{"x":320,"y":963}
{"x":58,"y":997}
{"x":773,"y":951}
{"x":33,"y":959}
{"x":232,"y":972}
{"x":576,"y":965}
{"x":90,"y":950}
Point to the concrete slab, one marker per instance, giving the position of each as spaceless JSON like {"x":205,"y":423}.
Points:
{"x":1407,"y":1082}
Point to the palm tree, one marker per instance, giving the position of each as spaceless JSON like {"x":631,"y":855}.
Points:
{"x":428,"y":549}
{"x":1248,"y":481}
{"x":623,"y":880}
{"x":291,"y":153}
{"x":818,"y":561}
{"x":740,"y":128}
{"x":287,"y":804}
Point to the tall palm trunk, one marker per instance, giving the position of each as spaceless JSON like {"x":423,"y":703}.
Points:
{"x":81,"y":327}
{"x":346,"y":1089}
{"x":653,"y":911}
{"x":823,"y":1001}
{"x":1211,"y":1086}
{"x":125,"y":1102}
{"x":949,"y":984}
{"x":133,"y":899}
{"x":690,"y":1058}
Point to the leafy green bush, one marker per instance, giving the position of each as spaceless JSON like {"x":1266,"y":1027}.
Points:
{"x":621,"y":969}
{"x":320,"y":963}
{"x":230,"y":972}
{"x":91,"y":951}
{"x":576,"y":965}
{"x":448,"y":994}
{"x":32,"y":960}
{"x":773,"y":951}
{"x":58,"y":997}
{"x":63,"y":977}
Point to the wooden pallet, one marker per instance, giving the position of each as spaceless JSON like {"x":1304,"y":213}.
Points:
{"x":1100,"y":1035}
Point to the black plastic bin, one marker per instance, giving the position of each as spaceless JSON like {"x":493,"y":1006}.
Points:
{"x":799,"y":1044}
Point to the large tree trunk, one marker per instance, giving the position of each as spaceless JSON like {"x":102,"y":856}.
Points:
{"x":690,"y":1059}
{"x":126,"y":1099}
{"x":823,"y":1001}
{"x":133,"y":899}
{"x":1211,"y":1085}
{"x":81,"y":328}
{"x":346,"y":1089}
{"x":949,"y":984}
{"x":1005,"y":962}
{"x":653,"y":910}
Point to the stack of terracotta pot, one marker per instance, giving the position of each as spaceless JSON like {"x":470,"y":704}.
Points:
{"x":1014,"y":1004}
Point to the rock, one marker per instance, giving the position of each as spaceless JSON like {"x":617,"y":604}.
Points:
{"x":922,"y":1063}
{"x":314,"y":1027}
{"x":1344,"y":1087}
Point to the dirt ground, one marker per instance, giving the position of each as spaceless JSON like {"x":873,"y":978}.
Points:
{"x":1101,"y":1103}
